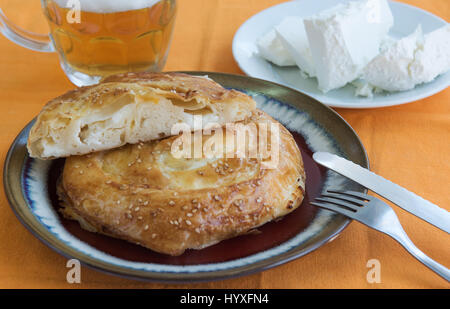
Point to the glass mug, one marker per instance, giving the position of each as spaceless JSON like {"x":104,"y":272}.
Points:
{"x":97,"y":38}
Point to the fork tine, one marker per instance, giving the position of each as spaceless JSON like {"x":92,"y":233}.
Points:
{"x":338,"y":202}
{"x":335,"y":208}
{"x":352,"y":194}
{"x":343,"y":197}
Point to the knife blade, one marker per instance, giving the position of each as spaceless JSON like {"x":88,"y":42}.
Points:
{"x":398,"y":195}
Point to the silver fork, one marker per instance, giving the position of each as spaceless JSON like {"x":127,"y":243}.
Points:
{"x":378,"y":215}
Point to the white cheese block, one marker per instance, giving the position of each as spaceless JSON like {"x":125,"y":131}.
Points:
{"x":390,"y":69}
{"x":291,"y":33}
{"x":344,"y":39}
{"x":270,"y":48}
{"x":433,"y":57}
{"x":387,"y":42}
{"x":410,"y":61}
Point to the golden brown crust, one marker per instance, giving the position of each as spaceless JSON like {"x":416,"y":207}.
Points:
{"x":128,"y":108}
{"x":142,"y":194}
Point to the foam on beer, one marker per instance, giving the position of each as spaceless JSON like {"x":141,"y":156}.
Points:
{"x":108,"y":6}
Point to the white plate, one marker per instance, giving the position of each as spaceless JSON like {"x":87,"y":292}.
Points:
{"x":406,"y":19}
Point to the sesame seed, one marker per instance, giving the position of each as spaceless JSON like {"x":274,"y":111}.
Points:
{"x":258,"y":182}
{"x":118,"y":202}
{"x":108,"y":182}
{"x":171,"y":203}
{"x":81,"y":172}
{"x":153,"y":235}
{"x":217,"y":198}
{"x":149,"y":168}
{"x":136,"y":209}
{"x":238,"y":202}
{"x":185,"y":207}
{"x":258,"y":200}
{"x":194,"y":210}
{"x":139,"y":218}
{"x":139,"y":160}
{"x":197,"y":230}
{"x":194,"y":201}
{"x":175,"y":222}
{"x":188,"y":222}
{"x":189,"y":214}
{"x":230,"y":170}
{"x":89,"y":164}
{"x":145,"y":203}
{"x":130,"y":216}
{"x":146,"y":227}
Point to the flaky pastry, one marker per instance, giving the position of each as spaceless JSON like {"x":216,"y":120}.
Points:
{"x":143,"y":194}
{"x":131,"y":108}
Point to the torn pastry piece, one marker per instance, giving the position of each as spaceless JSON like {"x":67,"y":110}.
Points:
{"x":129,"y":108}
{"x":147,"y":195}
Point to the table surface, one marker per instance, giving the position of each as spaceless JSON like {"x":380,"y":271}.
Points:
{"x":408,"y":144}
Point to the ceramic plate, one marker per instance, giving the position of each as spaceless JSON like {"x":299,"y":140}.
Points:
{"x":30,"y":188}
{"x":406,"y":19}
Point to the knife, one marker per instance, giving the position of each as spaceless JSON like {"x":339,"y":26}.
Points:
{"x":400,"y":196}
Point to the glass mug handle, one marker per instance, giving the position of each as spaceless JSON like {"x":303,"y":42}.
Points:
{"x":33,"y":41}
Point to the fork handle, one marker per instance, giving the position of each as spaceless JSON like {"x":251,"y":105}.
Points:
{"x":404,"y":240}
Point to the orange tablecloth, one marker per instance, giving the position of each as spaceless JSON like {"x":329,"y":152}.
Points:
{"x":408,"y":144}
